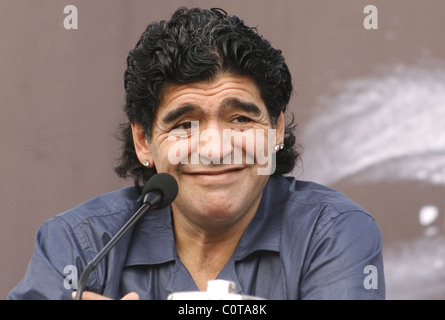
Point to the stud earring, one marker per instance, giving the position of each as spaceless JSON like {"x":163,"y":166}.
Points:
{"x":277,"y":147}
{"x":146,"y":163}
{"x":282,"y":146}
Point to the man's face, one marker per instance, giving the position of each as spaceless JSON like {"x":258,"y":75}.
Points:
{"x":213,"y":138}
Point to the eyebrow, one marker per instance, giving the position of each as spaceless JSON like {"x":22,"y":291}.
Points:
{"x":237,"y":104}
{"x":178,"y":112}
{"x":233,"y":103}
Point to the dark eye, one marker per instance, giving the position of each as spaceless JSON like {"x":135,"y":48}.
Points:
{"x":184,"y":125}
{"x":187,"y":125}
{"x":241,"y":119}
{"x":184,"y":129}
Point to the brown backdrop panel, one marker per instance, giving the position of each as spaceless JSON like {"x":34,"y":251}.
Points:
{"x":370,"y":106}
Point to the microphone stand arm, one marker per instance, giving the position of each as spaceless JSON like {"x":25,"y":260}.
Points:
{"x":151,"y":197}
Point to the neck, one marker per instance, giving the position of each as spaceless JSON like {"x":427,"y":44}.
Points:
{"x":205,"y":249}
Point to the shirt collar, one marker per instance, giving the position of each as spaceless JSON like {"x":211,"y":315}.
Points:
{"x":264,"y":231}
{"x":153,"y":238}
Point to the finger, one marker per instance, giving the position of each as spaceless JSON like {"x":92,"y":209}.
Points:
{"x":131,"y":296}
{"x":88,"y":295}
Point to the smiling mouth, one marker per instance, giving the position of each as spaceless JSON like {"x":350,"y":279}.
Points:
{"x":216,"y":172}
{"x":216,"y":175}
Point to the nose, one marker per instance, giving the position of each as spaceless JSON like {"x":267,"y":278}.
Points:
{"x":215,"y":145}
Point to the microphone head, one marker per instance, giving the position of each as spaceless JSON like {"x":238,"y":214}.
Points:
{"x":166,"y":185}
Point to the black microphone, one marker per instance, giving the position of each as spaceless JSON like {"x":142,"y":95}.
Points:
{"x":158,"y":193}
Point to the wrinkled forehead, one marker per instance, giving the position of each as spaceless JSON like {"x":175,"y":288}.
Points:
{"x":224,"y":92}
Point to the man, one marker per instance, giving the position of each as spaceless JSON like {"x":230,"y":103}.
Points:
{"x":205,"y":100}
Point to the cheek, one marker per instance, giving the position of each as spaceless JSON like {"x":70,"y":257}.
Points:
{"x":177,"y":150}
{"x":182,"y":150}
{"x":252,"y":146}
{"x":255,"y":143}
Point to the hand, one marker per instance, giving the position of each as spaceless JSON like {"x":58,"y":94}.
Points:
{"x":88,"y":295}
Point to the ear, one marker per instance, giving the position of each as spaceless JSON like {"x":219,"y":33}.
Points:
{"x":280,"y":128}
{"x":141,"y":145}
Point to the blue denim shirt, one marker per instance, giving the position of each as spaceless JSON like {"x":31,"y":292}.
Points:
{"x":306,"y":241}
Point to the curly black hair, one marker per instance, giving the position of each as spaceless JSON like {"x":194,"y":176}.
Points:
{"x":197,"y":45}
